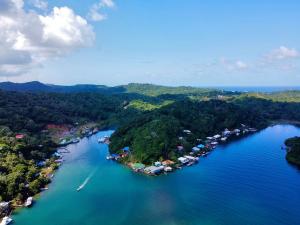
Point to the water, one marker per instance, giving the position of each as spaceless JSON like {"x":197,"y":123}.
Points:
{"x":245,"y":182}
{"x":260,"y":89}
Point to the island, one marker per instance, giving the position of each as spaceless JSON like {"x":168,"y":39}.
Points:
{"x":293,"y":150}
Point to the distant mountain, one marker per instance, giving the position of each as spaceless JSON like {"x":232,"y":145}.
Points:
{"x":133,"y":88}
{"x":33,"y":86}
{"x":36,"y":86}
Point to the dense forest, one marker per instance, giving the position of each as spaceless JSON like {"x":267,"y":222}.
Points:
{"x":148,"y":118}
{"x":293,"y":153}
{"x":28,"y":114}
{"x":154,"y":134}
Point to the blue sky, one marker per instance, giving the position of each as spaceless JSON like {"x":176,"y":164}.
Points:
{"x":175,"y":42}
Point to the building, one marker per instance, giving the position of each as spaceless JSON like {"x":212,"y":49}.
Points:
{"x":195,"y":149}
{"x":154,"y":169}
{"x":180,"y":147}
{"x":157,"y":164}
{"x":167,"y":163}
{"x":201,"y":146}
{"x":126,"y":149}
{"x":217,"y":136}
{"x":183,"y":160}
{"x":20,"y":136}
{"x":137,"y":166}
{"x":187,"y":131}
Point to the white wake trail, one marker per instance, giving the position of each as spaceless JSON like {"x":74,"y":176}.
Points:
{"x":87,"y":180}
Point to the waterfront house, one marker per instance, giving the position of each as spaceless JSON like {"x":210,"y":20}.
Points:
{"x":236,"y":130}
{"x":137,"y":166}
{"x":115,"y":156}
{"x":226,"y":132}
{"x":167,"y":162}
{"x":195,"y":149}
{"x":201,"y":146}
{"x":183,"y":160}
{"x":168,"y":169}
{"x":223,"y":138}
{"x":217,"y":136}
{"x":4,"y":208}
{"x":154,"y":169}
{"x":126,"y":149}
{"x":190,"y":158}
{"x":157,"y":164}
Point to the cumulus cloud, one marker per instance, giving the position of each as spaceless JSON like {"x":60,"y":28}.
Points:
{"x":233,"y":65}
{"x":40,"y":4}
{"x":283,"y":53}
{"x":28,"y":38}
{"x":95,"y":13}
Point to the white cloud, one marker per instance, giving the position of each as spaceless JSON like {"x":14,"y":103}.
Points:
{"x":27,"y":38}
{"x":233,"y":65}
{"x":40,"y":4}
{"x":241,"y":65}
{"x":95,"y":13}
{"x":283,"y":53}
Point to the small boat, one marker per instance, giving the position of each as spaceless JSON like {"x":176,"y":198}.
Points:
{"x":6,"y":220}
{"x":80,"y":187}
{"x":108,"y":157}
{"x":101,"y":140}
{"x":28,"y":202}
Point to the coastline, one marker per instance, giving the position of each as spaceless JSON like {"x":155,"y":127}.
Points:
{"x":184,"y":157}
{"x":176,"y":166}
{"x":56,"y":161}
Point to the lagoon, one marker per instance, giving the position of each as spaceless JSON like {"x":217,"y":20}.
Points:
{"x":247,"y":182}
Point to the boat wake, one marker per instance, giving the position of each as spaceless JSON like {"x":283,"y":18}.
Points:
{"x":86,"y":180}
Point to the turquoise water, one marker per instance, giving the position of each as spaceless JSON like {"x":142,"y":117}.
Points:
{"x":247,"y":182}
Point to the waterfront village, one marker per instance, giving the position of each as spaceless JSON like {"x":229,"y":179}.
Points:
{"x":72,"y":135}
{"x":202,"y":149}
{"x":63,"y":135}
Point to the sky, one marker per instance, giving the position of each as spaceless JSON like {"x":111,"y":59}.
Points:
{"x":168,"y":42}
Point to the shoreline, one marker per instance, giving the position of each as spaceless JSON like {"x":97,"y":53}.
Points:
{"x":61,"y":150}
{"x":187,"y":158}
{"x":204,"y":153}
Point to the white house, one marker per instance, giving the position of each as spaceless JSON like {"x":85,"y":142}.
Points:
{"x":183,"y":160}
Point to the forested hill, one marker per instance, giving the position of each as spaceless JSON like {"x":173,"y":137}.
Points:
{"x":154,"y":134}
{"x":293,"y":154}
{"x":36,"y":86}
{"x":147,"y":90}
{"x":144,"y":89}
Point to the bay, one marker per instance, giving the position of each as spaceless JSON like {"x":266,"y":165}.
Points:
{"x":247,"y":182}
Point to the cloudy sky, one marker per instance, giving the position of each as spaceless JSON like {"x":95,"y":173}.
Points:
{"x":170,"y":42}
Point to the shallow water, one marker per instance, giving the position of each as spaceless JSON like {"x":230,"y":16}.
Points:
{"x":245,"y":182}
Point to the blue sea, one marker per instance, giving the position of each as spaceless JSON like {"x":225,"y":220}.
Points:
{"x":259,"y":89}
